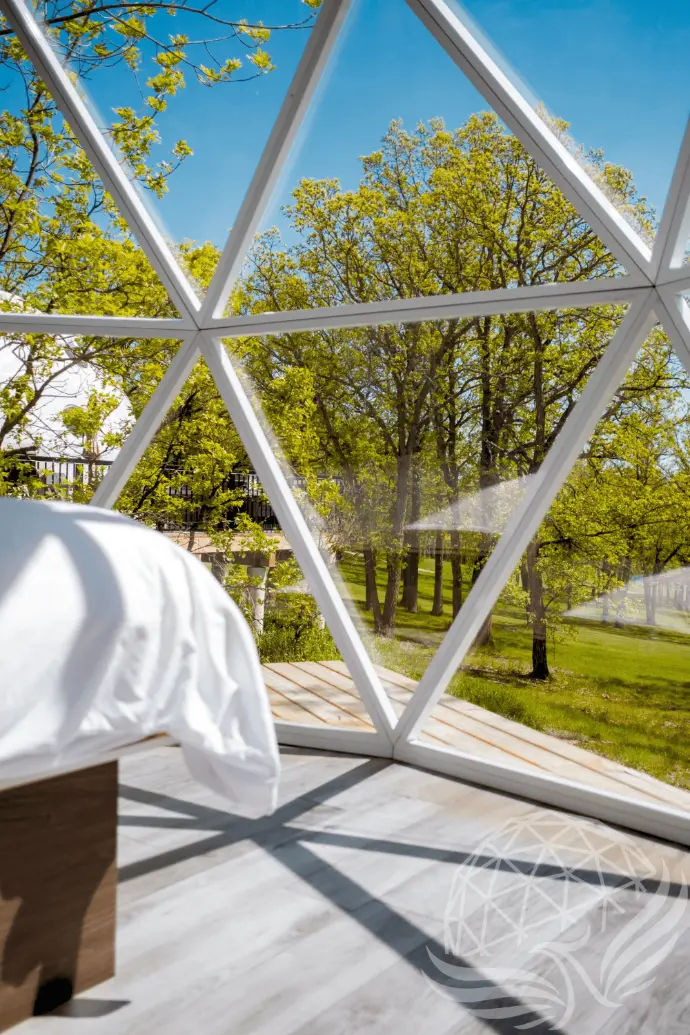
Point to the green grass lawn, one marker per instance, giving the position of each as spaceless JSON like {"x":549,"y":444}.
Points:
{"x":624,"y":693}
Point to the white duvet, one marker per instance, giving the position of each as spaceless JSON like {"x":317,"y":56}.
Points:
{"x":110,"y":633}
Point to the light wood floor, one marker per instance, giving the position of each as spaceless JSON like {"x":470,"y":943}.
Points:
{"x":325,"y":918}
{"x":323,"y":693}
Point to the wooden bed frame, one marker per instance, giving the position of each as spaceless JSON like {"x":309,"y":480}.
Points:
{"x":58,"y":880}
{"x":58,"y":883}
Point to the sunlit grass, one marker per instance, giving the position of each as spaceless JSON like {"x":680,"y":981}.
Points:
{"x":624,"y":693}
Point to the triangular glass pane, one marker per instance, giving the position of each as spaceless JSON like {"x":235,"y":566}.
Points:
{"x":580,"y":63}
{"x":195,"y":485}
{"x":67,"y":404}
{"x":407,"y":446}
{"x":403,"y":184}
{"x":686,"y":257}
{"x":65,"y":247}
{"x":188,"y":98}
{"x":582,"y":669}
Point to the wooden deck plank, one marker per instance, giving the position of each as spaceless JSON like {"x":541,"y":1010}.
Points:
{"x":326,"y":692}
{"x":448,"y":733}
{"x":344,"y":681}
{"x":562,"y":758}
{"x":453,"y":728}
{"x":454,"y":737}
{"x":286,"y":710}
{"x":462,"y":729}
{"x":525,"y":750}
{"x":351,"y":708}
{"x":625,"y":777}
{"x":315,"y":707}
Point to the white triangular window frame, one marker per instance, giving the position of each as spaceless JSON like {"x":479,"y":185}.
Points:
{"x":653,"y":288}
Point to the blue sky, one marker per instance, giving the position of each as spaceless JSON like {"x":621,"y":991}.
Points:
{"x":616,"y":69}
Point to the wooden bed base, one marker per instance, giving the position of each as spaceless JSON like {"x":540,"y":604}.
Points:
{"x":58,"y":880}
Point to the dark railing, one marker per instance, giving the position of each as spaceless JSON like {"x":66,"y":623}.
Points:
{"x":254,"y":503}
{"x":72,"y":472}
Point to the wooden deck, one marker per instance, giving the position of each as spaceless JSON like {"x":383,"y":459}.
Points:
{"x":322,"y":692}
{"x":324,"y":918}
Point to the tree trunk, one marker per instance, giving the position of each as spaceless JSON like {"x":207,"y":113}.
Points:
{"x":411,"y":588}
{"x":394,"y":556}
{"x":394,"y":568}
{"x":524,"y":582}
{"x":624,"y":573}
{"x":540,"y":662}
{"x":403,"y":584}
{"x":484,"y":637}
{"x":456,"y":571}
{"x":257,"y":595}
{"x":372,"y":593}
{"x":437,"y":606}
{"x":650,"y":599}
{"x":410,"y":593}
{"x":219,"y":566}
{"x":369,"y":556}
{"x":606,"y":597}
{"x":524,"y":577}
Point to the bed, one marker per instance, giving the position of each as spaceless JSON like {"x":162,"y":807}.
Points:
{"x":110,"y":635}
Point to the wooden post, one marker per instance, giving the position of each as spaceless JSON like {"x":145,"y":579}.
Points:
{"x":58,"y":879}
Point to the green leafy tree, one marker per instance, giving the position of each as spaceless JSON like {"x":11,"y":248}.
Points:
{"x":182,"y":478}
{"x":480,"y":400}
{"x":63,"y":245}
{"x":623,"y":510}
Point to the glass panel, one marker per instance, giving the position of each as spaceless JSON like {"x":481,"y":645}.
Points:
{"x":408,"y":446}
{"x":63,"y":245}
{"x":196,"y":486}
{"x":582,"y":62}
{"x":581,"y":670}
{"x":189,"y":98}
{"x":403,"y":184}
{"x":66,"y":404}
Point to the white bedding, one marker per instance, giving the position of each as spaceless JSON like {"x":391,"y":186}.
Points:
{"x":109,"y":633}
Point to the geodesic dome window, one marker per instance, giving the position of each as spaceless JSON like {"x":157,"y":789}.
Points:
{"x":423,"y":408}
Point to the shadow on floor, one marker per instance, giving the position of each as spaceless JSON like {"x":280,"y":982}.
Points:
{"x":507,"y":1014}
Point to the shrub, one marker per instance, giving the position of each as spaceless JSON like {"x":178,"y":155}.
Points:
{"x":292,"y":633}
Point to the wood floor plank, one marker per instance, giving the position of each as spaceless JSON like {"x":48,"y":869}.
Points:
{"x":323,"y":670}
{"x":285,"y":710}
{"x":524,"y":751}
{"x":317,"y":705}
{"x":398,"y":697}
{"x":448,"y":732}
{"x":319,"y":922}
{"x":327,"y":943}
{"x":560,"y":757}
{"x":397,"y":678}
{"x":402,"y":998}
{"x":625,"y":778}
{"x":351,"y":706}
